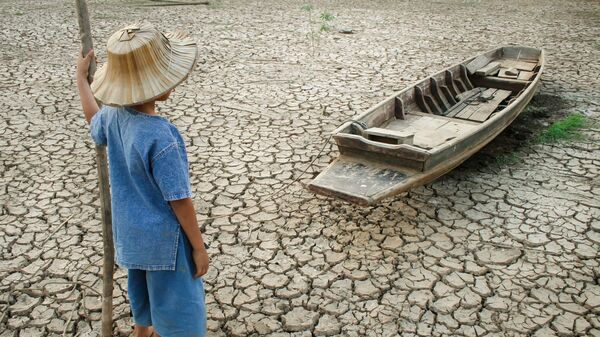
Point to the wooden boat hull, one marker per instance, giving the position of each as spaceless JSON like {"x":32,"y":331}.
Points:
{"x":366,"y":171}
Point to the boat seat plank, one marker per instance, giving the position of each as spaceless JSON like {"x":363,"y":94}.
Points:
{"x":431,"y":131}
{"x":517,"y":64}
{"x":389,"y":135}
{"x":525,"y":75}
{"x":513,"y":85}
{"x":508,"y":73}
{"x":490,"y":69}
{"x":477,"y":63}
{"x":482,"y":111}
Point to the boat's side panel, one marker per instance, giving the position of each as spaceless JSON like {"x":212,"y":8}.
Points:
{"x":400,"y":154}
{"x":411,"y":163}
{"x":521,"y":53}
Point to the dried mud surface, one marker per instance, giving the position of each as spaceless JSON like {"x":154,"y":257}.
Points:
{"x":490,"y":249}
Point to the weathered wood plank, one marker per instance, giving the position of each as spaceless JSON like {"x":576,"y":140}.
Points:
{"x":380,"y":113}
{"x":486,"y":109}
{"x":473,"y":106}
{"x":439,"y":95}
{"x":465,"y":77}
{"x":501,"y":83}
{"x":355,"y":180}
{"x":431,"y":130}
{"x":521,"y":53}
{"x":467,"y":111}
{"x":525,"y":75}
{"x":420,"y":98}
{"x":508,"y":73}
{"x":517,"y":64}
{"x":446,"y":118}
{"x":477,"y":63}
{"x":399,"y":108}
{"x":490,"y":69}
{"x":454,"y":90}
{"x":390,"y":136}
{"x":469,"y":93}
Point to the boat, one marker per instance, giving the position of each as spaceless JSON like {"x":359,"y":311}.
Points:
{"x":424,"y":131}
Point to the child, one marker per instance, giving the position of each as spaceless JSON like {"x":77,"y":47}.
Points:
{"x":151,"y":194}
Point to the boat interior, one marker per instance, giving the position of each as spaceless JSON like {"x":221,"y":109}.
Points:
{"x":445,"y":106}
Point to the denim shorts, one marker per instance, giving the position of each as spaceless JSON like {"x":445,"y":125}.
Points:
{"x":171,"y":301}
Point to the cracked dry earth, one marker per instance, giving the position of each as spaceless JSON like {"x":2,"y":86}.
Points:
{"x":488,"y":250}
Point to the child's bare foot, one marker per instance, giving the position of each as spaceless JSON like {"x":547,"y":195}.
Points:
{"x":143,"y":331}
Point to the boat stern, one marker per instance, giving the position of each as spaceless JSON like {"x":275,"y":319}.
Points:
{"x":360,"y":182}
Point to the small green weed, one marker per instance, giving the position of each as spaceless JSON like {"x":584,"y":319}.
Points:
{"x":326,"y":18}
{"x":308,"y":7}
{"x":564,"y":129}
{"x":324,"y":24}
{"x":19,"y":13}
{"x":508,"y":159}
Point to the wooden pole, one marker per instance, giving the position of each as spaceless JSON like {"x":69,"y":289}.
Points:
{"x":104,"y":186}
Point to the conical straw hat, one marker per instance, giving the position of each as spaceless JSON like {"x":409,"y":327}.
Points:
{"x":143,"y":64}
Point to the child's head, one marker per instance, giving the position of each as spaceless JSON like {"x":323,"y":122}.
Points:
{"x":143,"y":65}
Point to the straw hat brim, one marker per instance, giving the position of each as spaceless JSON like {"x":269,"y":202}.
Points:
{"x":118,"y":89}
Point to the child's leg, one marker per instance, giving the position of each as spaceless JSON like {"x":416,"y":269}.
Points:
{"x":177,"y":298}
{"x":139,"y":301}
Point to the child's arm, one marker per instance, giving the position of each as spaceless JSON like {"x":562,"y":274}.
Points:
{"x":184,"y":210}
{"x":88,"y":102}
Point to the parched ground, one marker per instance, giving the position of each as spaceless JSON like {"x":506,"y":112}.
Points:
{"x":496,"y":248}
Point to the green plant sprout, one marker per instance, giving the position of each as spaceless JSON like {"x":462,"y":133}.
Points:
{"x":326,"y":18}
{"x":324,"y":25}
{"x":564,"y":129}
{"x":508,"y":159}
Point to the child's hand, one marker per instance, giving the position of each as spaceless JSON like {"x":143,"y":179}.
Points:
{"x":201,"y":260}
{"x":83,"y":64}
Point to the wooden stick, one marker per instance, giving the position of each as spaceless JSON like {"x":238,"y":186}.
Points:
{"x":107,"y":237}
{"x":103,"y":184}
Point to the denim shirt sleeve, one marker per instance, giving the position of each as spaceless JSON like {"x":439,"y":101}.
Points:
{"x":170,"y":172}
{"x":97,"y":130}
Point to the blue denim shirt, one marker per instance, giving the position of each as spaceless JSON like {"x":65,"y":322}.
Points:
{"x":148,"y":168}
